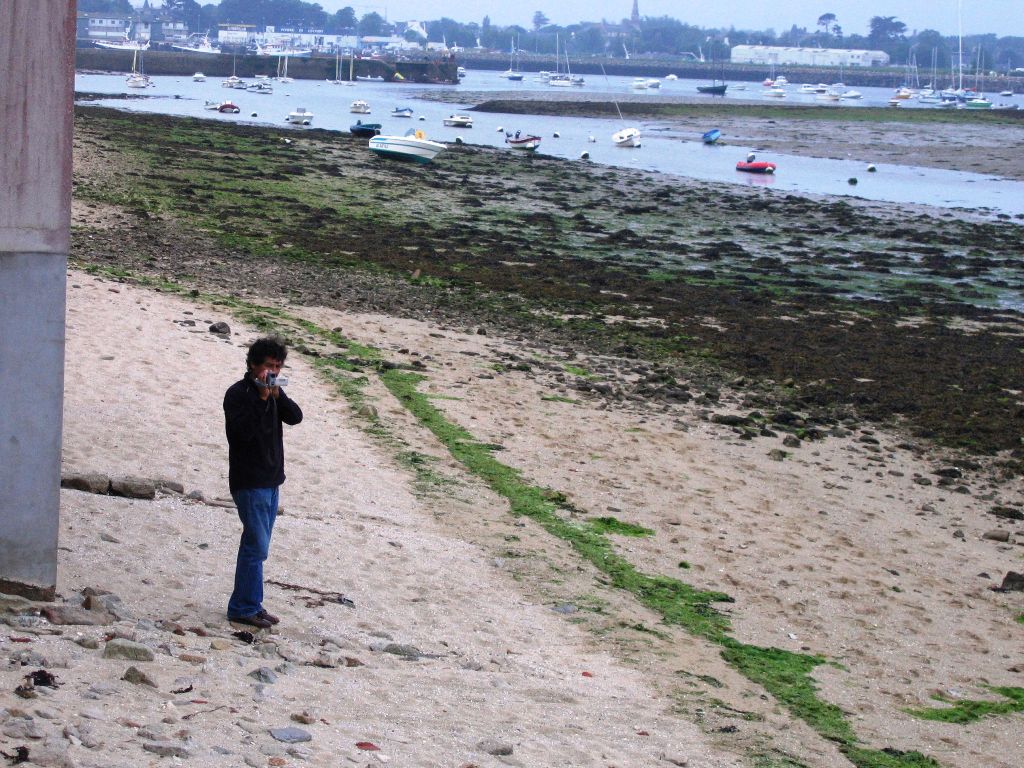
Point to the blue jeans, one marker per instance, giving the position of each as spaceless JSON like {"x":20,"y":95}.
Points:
{"x":257,"y":509}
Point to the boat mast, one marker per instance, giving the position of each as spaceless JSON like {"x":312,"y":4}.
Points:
{"x":960,"y":34}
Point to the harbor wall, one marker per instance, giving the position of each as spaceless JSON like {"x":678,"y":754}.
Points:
{"x":882,"y":77}
{"x":182,"y":63}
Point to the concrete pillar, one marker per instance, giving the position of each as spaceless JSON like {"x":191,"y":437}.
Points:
{"x":37,"y":39}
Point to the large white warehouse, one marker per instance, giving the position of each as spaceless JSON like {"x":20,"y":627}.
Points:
{"x":810,"y":57}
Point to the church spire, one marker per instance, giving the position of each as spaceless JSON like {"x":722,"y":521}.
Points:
{"x":634,"y":17}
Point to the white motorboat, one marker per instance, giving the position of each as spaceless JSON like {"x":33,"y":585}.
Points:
{"x":775,"y":92}
{"x":851,"y":94}
{"x":459,"y":121}
{"x":359,"y":107}
{"x":233,"y":82}
{"x":519,"y":140}
{"x":198,"y":77}
{"x":641,"y":83}
{"x":264,"y":87}
{"x":299,"y":116}
{"x":401,"y":112}
{"x":627,"y":137}
{"x":671,"y":77}
{"x":414,"y":146}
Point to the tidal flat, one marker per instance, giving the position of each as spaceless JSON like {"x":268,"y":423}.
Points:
{"x":841,"y":308}
{"x":634,"y":411}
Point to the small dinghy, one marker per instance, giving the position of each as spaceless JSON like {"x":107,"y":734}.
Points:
{"x":712,"y":136}
{"x":750,"y":165}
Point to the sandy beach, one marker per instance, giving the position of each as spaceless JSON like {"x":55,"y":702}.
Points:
{"x":428,"y":622}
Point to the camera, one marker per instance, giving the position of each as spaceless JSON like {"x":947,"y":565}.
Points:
{"x":276,"y":380}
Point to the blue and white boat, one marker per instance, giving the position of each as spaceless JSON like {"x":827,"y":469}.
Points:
{"x":414,"y":146}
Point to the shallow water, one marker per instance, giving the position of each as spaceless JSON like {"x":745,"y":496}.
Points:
{"x":664,"y":149}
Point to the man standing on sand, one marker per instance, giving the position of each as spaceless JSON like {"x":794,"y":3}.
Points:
{"x":254,"y":410}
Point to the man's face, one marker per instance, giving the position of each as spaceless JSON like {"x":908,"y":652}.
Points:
{"x":269,"y":365}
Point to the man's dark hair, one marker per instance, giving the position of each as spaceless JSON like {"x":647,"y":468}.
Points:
{"x":268,"y":346}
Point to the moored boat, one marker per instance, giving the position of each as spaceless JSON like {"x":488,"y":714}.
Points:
{"x":359,"y":107}
{"x":198,"y":77}
{"x":755,"y":167}
{"x":712,"y":136}
{"x":627,"y":137}
{"x":364,"y":129}
{"x":300,"y":116}
{"x":459,"y":121}
{"x":519,"y":140}
{"x":414,"y":146}
{"x":401,"y":112}
{"x":227,"y":107}
{"x":718,"y":89}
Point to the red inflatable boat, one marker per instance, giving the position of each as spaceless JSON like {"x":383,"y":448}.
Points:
{"x":755,"y":167}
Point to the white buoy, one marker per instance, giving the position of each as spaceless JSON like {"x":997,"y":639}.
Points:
{"x":584,"y":155}
{"x":500,"y":130}
{"x":557,"y":135}
{"x":591,"y":139}
{"x":750,"y":157}
{"x":422,"y":117}
{"x":871,"y":169}
{"x":253,"y":115}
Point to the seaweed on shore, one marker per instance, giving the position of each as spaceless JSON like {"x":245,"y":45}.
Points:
{"x":772,"y":287}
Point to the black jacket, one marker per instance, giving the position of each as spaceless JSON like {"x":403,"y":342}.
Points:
{"x":255,"y":444}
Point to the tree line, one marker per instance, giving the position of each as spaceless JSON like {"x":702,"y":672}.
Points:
{"x":651,"y":37}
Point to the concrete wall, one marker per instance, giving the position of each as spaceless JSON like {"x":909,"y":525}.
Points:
{"x":37,"y":62}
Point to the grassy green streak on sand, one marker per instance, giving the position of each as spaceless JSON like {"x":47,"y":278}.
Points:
{"x":967,"y":711}
{"x":784,"y":674}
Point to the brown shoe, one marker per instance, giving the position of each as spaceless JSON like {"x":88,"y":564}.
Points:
{"x":263,"y":614}
{"x":256,"y":620}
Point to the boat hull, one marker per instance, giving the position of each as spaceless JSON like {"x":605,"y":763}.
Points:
{"x":627,"y":137}
{"x":712,"y":90}
{"x":365,"y":129}
{"x":529,"y":143}
{"x":757,"y":167}
{"x":405,"y":148}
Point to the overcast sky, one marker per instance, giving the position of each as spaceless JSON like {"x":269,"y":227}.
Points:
{"x":1004,"y":17}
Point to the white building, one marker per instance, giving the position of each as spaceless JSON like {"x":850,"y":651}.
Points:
{"x":808,"y":57}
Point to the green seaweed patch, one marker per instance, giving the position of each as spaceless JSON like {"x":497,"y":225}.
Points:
{"x":784,"y":674}
{"x":616,"y":526}
{"x":969,"y":710}
{"x":575,"y":370}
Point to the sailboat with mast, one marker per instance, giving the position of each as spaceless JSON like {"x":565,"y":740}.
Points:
{"x":512,"y":73}
{"x":138,"y":78}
